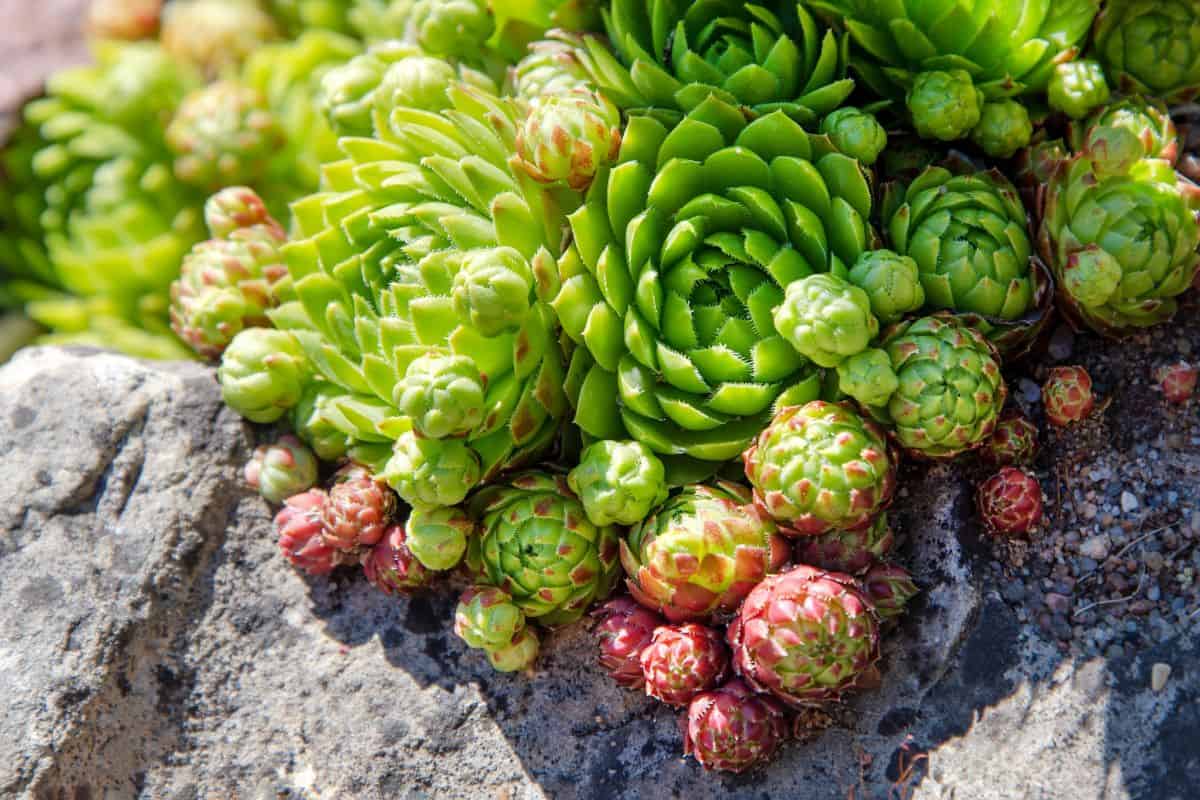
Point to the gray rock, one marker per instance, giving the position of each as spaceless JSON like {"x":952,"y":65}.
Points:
{"x":155,"y":645}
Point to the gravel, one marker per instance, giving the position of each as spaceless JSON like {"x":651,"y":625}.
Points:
{"x":1114,"y":569}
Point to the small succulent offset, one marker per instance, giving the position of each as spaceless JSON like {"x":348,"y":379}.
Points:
{"x":850,"y":551}
{"x":805,"y":636}
{"x":618,"y":482}
{"x":1014,"y":441}
{"x":821,"y":467}
{"x":359,"y":510}
{"x":1004,"y":128}
{"x":487,"y":619}
{"x":123,"y":19}
{"x":215,"y":36}
{"x":282,"y":469}
{"x":944,"y":105}
{"x":625,"y":629}
{"x":567,"y":138}
{"x":856,"y":133}
{"x":1067,"y":395}
{"x":390,"y":565}
{"x":438,"y":537}
{"x":223,"y":135}
{"x":717,"y":526}
{"x":682,"y":661}
{"x":950,"y":390}
{"x":891,"y":281}
{"x":300,"y":527}
{"x":891,"y":588}
{"x":1010,"y":502}
{"x":733,"y":729}
{"x":228,"y":283}
{"x":536,"y":543}
{"x":1077,"y":87}
{"x":826,"y":318}
{"x":1178,"y":381}
{"x":263,"y":374}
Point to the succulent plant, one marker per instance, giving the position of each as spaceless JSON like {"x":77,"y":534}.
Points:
{"x":428,"y":473}
{"x":849,"y":551}
{"x":282,"y":469}
{"x":826,"y":318}
{"x":1067,"y":395}
{"x":1013,"y":442}
{"x":487,"y":618}
{"x":682,"y":661}
{"x":1002,"y":47}
{"x":944,"y":105}
{"x":518,"y":654}
{"x":624,"y":629}
{"x":537,"y":545}
{"x":123,"y":19}
{"x":891,"y":588}
{"x":1178,"y":381}
{"x":360,"y":509}
{"x":438,"y":537}
{"x":950,"y":387}
{"x":289,"y":76}
{"x":856,"y":133}
{"x":263,"y":373}
{"x":551,"y":67}
{"x":733,"y":729}
{"x":315,"y":419}
{"x":1077,"y":87}
{"x":425,"y":242}
{"x":567,"y":138}
{"x":298,"y":16}
{"x":234,"y":208}
{"x":227,"y":284}
{"x":223,"y":134}
{"x":967,"y":234}
{"x":1121,"y":236}
{"x":442,"y":395}
{"x":768,"y":56}
{"x":215,"y":36}
{"x":1148,"y":120}
{"x":299,"y":526}
{"x":99,"y":224}
{"x":679,"y":255}
{"x":806,"y":636}
{"x":701,"y":552}
{"x":1151,"y":48}
{"x":821,"y":467}
{"x":618,"y":482}
{"x":391,"y":567}
{"x":1004,"y":128}
{"x":1010,"y":502}
{"x":892,"y":283}
{"x":868,"y":377}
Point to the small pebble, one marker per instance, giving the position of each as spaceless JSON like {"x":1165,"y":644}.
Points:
{"x":1128,"y":502}
{"x":1096,"y":547}
{"x":1029,"y":390}
{"x":1062,"y":343}
{"x":1158,"y":676}
{"x":1057,"y":603}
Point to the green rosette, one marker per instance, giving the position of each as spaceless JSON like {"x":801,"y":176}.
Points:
{"x":678,"y":258}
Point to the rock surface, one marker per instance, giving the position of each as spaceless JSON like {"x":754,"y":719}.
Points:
{"x":153,"y":644}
